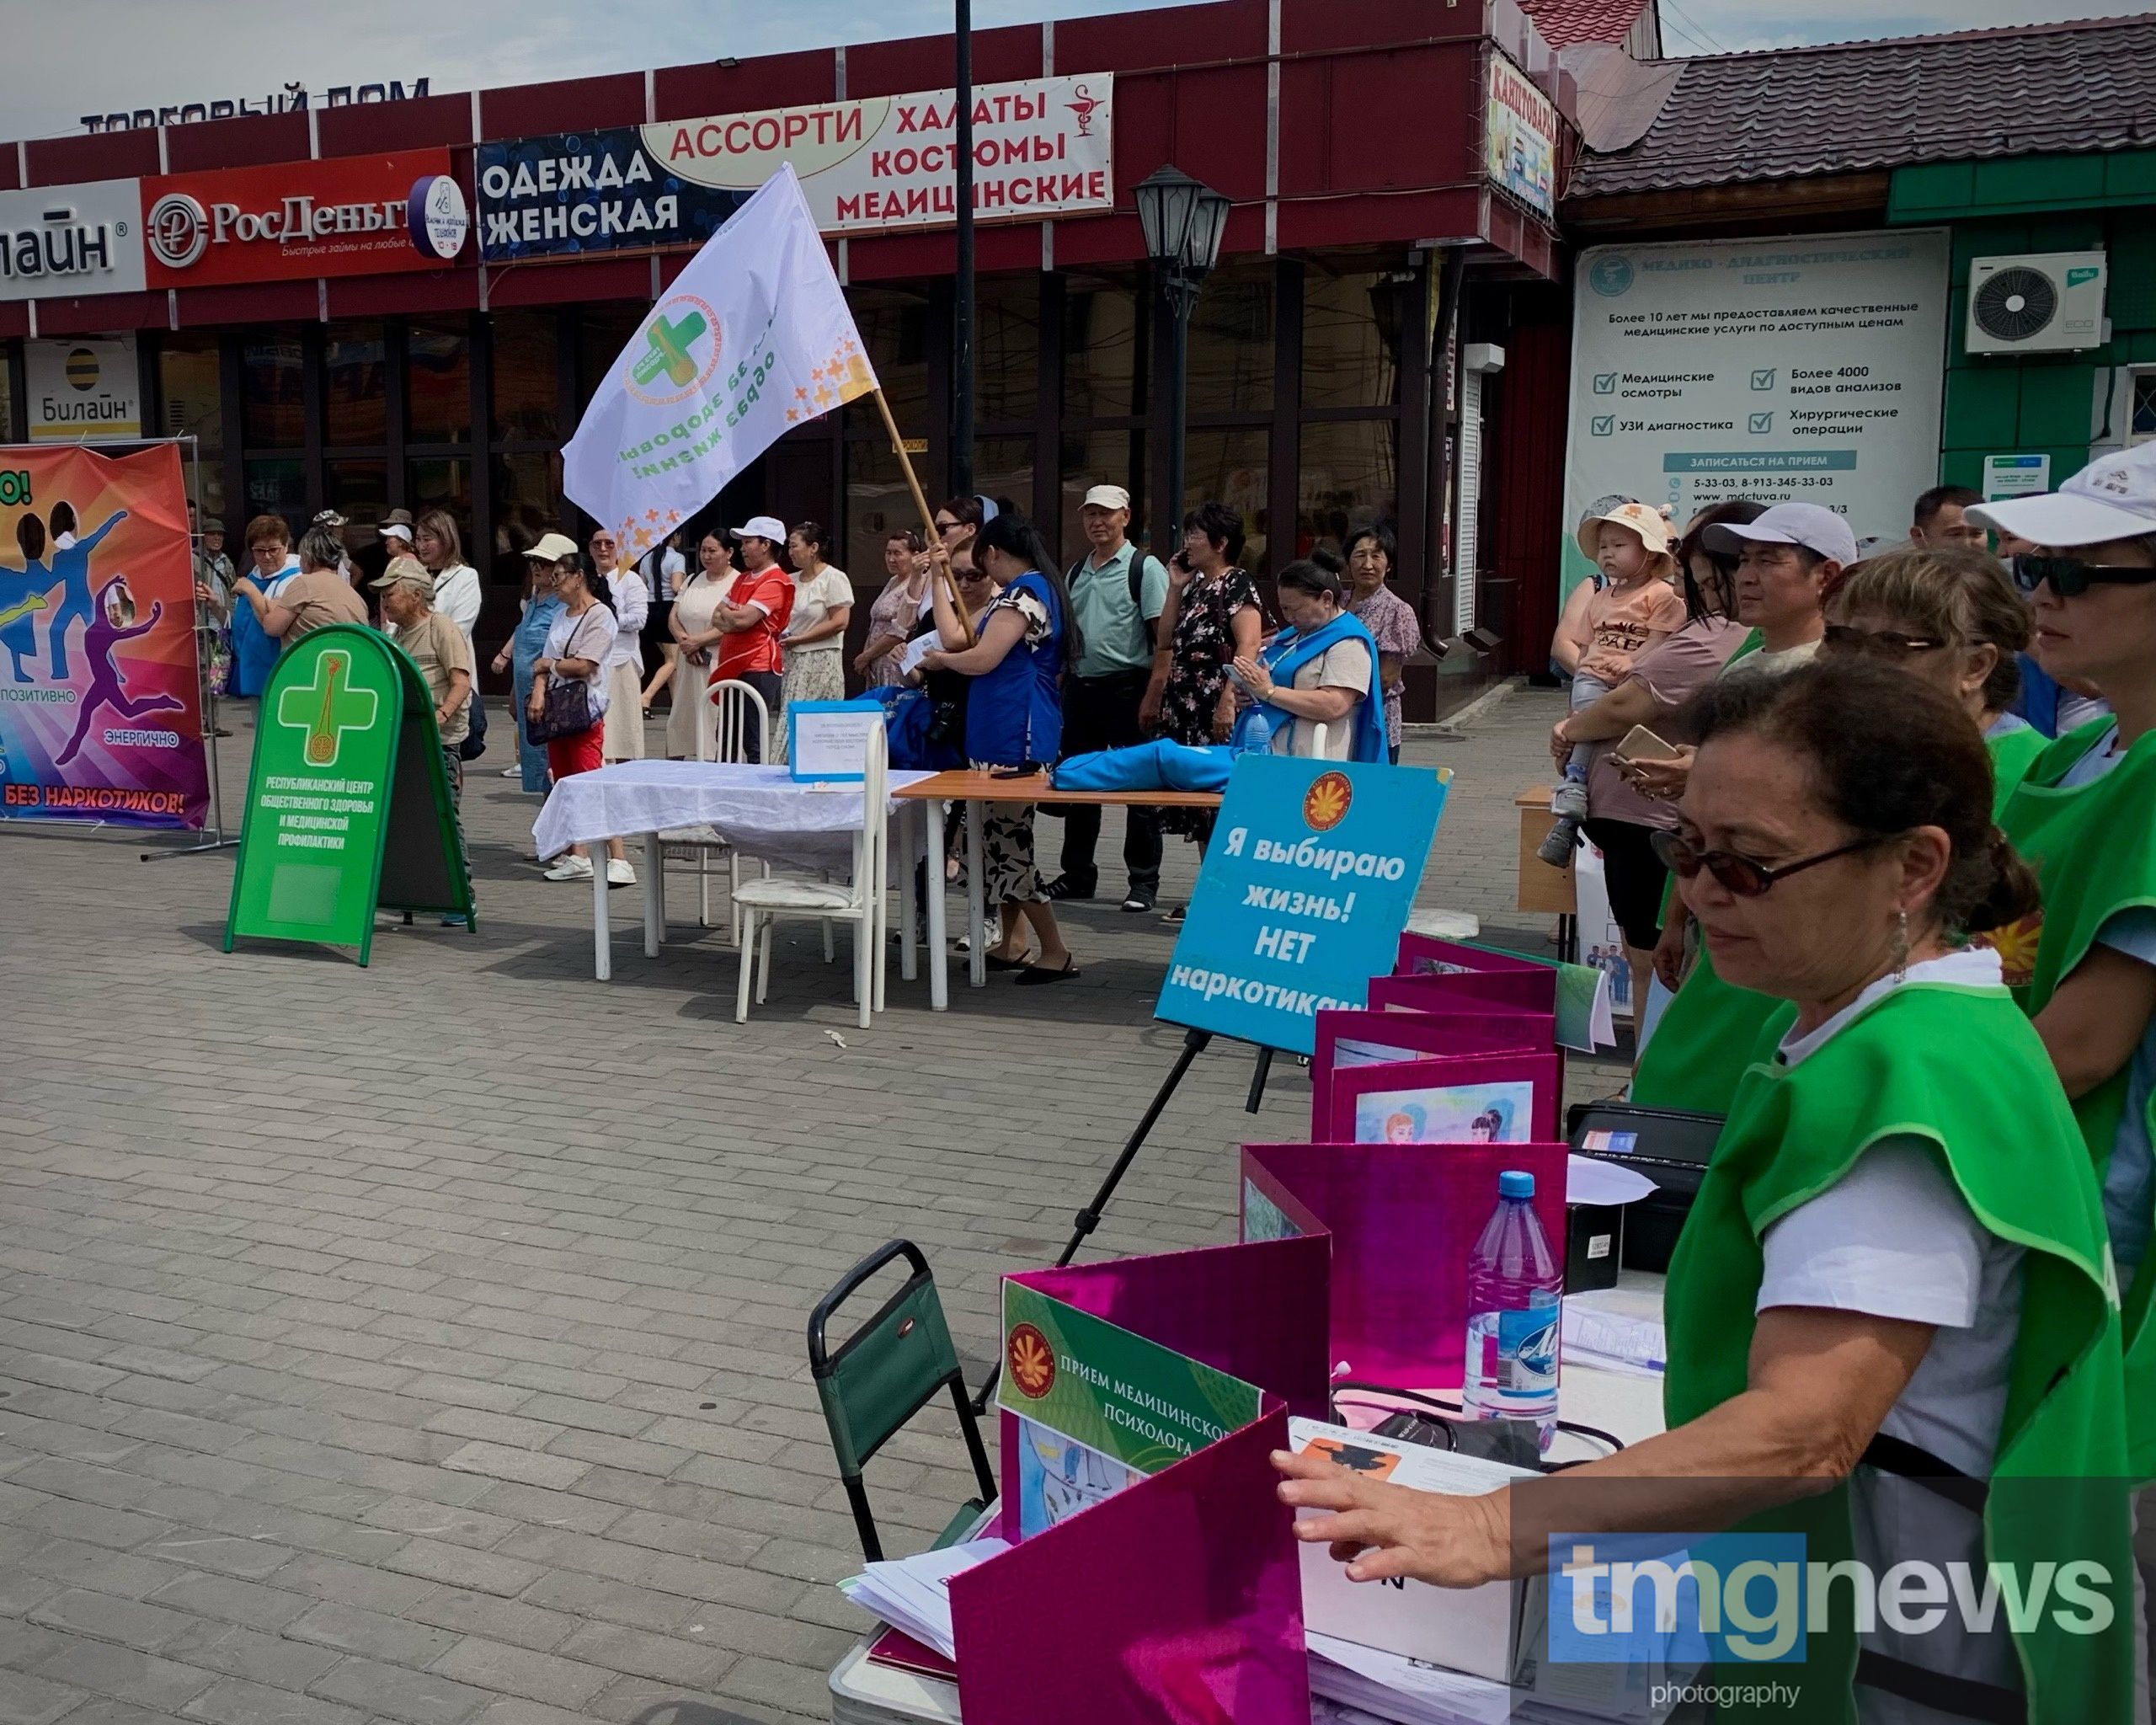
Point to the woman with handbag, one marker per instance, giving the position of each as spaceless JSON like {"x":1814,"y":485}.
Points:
{"x":568,"y":708}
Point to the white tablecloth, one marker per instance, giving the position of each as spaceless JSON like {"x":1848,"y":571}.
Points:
{"x":760,"y":810}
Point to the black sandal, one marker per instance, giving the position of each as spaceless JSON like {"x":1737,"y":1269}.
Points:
{"x":997,"y":963}
{"x":1035,"y":976}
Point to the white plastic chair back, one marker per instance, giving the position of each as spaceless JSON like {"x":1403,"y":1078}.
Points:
{"x":742,"y":714}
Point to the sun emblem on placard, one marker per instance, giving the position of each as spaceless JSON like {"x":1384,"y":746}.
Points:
{"x":1324,"y":804}
{"x":1032,"y":1361}
{"x":2016,"y":948}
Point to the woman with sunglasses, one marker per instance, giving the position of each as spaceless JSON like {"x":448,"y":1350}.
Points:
{"x":1950,"y":616}
{"x":2086,"y":968}
{"x":1894,"y":1274}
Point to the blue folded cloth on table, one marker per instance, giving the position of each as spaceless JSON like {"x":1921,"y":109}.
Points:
{"x":1146,"y":767}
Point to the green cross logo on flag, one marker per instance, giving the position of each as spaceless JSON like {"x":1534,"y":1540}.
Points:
{"x":326,"y":708}
{"x":670,"y":344}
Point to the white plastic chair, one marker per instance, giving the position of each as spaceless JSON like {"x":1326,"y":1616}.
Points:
{"x":742,"y":715}
{"x":859,"y":901}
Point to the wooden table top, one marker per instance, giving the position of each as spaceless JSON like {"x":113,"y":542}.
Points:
{"x":971,"y":786}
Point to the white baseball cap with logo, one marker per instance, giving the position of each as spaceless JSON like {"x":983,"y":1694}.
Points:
{"x":1812,"y":525}
{"x":2114,"y":497}
{"x":769,"y":528}
{"x":1106,"y":497}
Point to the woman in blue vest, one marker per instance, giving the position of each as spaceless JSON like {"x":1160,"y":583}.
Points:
{"x":1015,"y":656}
{"x":254,"y":650}
{"x":1315,"y":685}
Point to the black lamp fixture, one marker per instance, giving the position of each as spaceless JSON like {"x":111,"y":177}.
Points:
{"x":1183,"y":220}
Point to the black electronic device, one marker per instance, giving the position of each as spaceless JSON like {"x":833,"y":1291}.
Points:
{"x":1671,"y":1146}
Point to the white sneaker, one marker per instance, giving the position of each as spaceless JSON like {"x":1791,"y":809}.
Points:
{"x":618,"y":872}
{"x":567,"y":868}
{"x":511,"y":771}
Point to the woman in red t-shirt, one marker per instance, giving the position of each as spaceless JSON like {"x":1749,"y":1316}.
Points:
{"x":753,"y":615}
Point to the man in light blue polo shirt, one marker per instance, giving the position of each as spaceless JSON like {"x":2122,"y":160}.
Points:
{"x":1117,"y":594}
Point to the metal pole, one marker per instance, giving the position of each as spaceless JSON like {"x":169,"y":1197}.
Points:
{"x":962,"y":314}
{"x":1181,"y":294}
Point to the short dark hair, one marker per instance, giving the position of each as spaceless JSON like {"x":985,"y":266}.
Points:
{"x":1308,"y":575}
{"x":1382,"y":534}
{"x":1886,"y":753}
{"x":812,"y":533}
{"x":1735,"y":512}
{"x":908,"y":537}
{"x":1929,"y":504}
{"x":966,"y":509}
{"x":1222,"y":527}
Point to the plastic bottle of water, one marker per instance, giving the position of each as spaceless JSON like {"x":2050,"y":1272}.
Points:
{"x":1514,"y":1286}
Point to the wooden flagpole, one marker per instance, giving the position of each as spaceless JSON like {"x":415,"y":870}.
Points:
{"x":919,"y":498}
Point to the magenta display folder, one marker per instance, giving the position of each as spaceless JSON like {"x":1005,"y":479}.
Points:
{"x":1423,"y":955}
{"x":1178,"y":1602}
{"x":1498,"y":990}
{"x":1464,"y":1099}
{"x":1370,"y":1036}
{"x":1401,"y":1219}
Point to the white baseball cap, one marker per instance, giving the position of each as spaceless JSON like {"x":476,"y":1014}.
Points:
{"x":396,"y":530}
{"x":769,"y":528}
{"x":1813,"y":526}
{"x":552,"y":548}
{"x":2114,"y":497}
{"x":1106,"y":497}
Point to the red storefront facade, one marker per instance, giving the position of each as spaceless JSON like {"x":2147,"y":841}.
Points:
{"x":1325,"y":390}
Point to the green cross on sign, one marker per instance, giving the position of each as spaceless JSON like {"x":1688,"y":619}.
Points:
{"x":670,"y":350}
{"x":327,"y":707}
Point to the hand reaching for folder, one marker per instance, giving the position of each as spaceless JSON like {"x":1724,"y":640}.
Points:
{"x":1380,"y":1531}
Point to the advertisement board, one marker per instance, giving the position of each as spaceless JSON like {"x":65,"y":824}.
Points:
{"x":290,"y":221}
{"x":1041,"y":146}
{"x":100,"y":698}
{"x":68,"y":239}
{"x":83,"y":386}
{"x":1519,"y":136}
{"x":1803,"y":369}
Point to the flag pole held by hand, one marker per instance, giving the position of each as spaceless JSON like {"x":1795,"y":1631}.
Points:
{"x":919,"y":498}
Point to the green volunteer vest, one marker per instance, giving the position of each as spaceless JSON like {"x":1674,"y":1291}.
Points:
{"x":1961,"y":1067}
{"x":1707,"y":1032}
{"x":2094,"y":849}
{"x":2012,"y":755}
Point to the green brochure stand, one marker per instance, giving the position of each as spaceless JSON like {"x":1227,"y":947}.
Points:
{"x":348,"y":805}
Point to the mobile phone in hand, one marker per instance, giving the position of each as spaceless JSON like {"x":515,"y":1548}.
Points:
{"x":1640,"y":743}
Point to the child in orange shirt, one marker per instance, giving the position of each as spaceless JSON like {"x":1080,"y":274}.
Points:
{"x":1637,"y":609}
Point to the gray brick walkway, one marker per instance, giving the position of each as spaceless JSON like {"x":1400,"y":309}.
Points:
{"x":425,"y":1342}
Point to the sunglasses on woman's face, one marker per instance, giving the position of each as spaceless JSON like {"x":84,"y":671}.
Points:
{"x":1739,"y":875}
{"x":948,"y":528}
{"x":1878,"y":643}
{"x":2070,"y":577}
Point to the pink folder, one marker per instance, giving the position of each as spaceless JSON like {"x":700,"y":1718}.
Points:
{"x":1499,"y":991}
{"x":1395,"y":1090}
{"x":1477,"y":1030}
{"x":1423,"y":954}
{"x":1401,"y":1219}
{"x":1177,"y":1601}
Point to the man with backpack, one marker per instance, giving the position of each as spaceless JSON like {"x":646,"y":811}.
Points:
{"x":1117,"y":593}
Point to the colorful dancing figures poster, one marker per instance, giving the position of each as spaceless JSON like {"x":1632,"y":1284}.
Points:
{"x":100,"y":694}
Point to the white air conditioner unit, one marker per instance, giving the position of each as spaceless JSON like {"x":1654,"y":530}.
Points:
{"x":2045,"y":302}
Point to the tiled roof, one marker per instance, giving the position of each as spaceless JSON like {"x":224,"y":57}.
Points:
{"x":1856,"y":107}
{"x":1561,"y":22}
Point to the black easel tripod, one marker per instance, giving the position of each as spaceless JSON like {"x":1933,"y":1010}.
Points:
{"x":1194,"y":1044}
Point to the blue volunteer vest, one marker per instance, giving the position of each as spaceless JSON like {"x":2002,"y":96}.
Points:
{"x":1014,"y":714}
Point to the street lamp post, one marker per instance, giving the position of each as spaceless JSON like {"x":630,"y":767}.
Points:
{"x":1183,"y":220}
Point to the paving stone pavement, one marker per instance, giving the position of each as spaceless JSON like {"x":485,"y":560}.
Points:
{"x":424,"y":1342}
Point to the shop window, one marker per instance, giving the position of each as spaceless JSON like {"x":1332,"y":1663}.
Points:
{"x":358,"y":491}
{"x":527,"y":377}
{"x":2141,"y":421}
{"x":1007,"y":348}
{"x":602,"y":332}
{"x":441,"y":482}
{"x":1349,"y":479}
{"x":1231,"y":357}
{"x":893,"y":324}
{"x":1103,"y":335}
{"x":191,"y":396}
{"x":876,"y":502}
{"x":273,"y":402}
{"x":277,"y":487}
{"x":1351,"y":335}
{"x":1003,"y":469}
{"x":1230,"y":467}
{"x":438,"y":381}
{"x":354,"y":386}
{"x":1091,"y":458}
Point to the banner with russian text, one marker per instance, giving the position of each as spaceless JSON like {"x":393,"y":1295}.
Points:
{"x":100,"y":696}
{"x":753,"y":338}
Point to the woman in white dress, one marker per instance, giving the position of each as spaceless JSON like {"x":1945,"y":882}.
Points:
{"x":815,"y":638}
{"x":624,"y":674}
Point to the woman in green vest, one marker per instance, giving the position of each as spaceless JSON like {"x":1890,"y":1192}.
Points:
{"x":1892,"y":1322}
{"x":2085,"y":816}
{"x":1787,"y":560}
{"x":1950,"y":615}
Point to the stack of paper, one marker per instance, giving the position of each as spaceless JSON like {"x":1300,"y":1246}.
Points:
{"x":1407,"y":1690}
{"x":914,"y":1594}
{"x":1613,"y":1341}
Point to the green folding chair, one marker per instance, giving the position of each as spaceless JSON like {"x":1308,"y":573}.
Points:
{"x":882,"y":1374}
